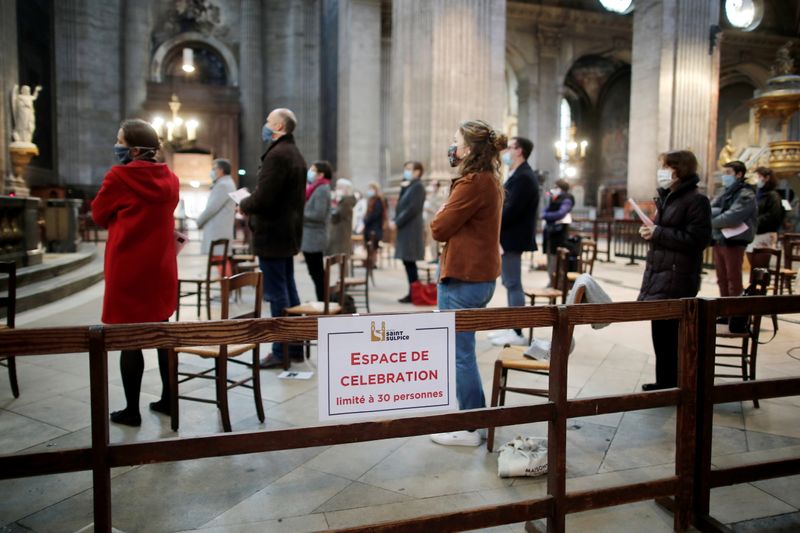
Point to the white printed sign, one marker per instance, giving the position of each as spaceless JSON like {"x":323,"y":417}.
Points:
{"x":383,"y":365}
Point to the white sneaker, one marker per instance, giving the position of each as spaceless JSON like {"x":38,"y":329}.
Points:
{"x":499,"y":333}
{"x":458,"y":438}
{"x":511,"y":338}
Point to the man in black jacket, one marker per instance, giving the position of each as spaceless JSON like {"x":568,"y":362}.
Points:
{"x":275,"y":212}
{"x":518,"y":227}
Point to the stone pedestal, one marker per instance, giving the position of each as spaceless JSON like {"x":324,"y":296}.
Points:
{"x":19,"y":231}
{"x":21,"y":155}
{"x":674,"y":80}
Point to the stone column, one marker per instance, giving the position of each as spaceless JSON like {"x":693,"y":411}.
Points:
{"x":291,"y":51}
{"x":136,"y":57}
{"x":359,"y":91}
{"x":672,"y":86}
{"x":251,"y":79}
{"x":448,"y":61}
{"x":549,"y":101}
{"x":9,"y":75}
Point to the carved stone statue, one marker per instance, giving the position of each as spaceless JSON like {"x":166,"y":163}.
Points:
{"x":784,"y":62}
{"x":24,"y":114}
{"x":726,"y":155}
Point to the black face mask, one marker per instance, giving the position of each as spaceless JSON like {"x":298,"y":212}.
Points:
{"x":452,"y":157}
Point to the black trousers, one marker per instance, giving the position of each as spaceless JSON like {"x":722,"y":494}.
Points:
{"x":317,"y":272}
{"x":411,"y":272}
{"x":131,"y":366}
{"x":665,"y":345}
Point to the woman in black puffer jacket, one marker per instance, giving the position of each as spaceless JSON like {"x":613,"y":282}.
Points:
{"x":681,"y":232}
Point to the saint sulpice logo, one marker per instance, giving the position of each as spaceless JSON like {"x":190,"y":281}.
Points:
{"x":382,"y":334}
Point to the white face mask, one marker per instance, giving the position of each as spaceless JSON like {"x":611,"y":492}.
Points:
{"x":664,"y":177}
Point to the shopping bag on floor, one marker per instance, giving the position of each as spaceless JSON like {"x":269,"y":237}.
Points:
{"x":423,"y":293}
{"x":523,"y":456}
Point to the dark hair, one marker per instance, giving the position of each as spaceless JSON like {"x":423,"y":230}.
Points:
{"x":224,"y":165}
{"x":770,"y":181}
{"x":415,"y":165}
{"x":683,"y":162}
{"x":525,"y":144}
{"x":325,"y":168}
{"x":140,"y":134}
{"x":562,"y":184}
{"x":737,"y":166}
{"x":485,"y":145}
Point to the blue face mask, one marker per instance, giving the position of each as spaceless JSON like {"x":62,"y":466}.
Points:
{"x":266,"y":133}
{"x":507,"y":159}
{"x":213,"y":175}
{"x":728,"y":179}
{"x":123,"y":153}
{"x":406,"y":174}
{"x":311,"y":176}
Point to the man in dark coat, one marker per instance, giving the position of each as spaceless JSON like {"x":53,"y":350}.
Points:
{"x":276,"y":217}
{"x":518,"y":227}
{"x":409,"y":244}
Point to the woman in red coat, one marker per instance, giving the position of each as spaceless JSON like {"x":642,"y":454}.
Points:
{"x":136,"y":204}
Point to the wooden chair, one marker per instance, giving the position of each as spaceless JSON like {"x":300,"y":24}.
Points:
{"x":769,"y":258}
{"x":323,"y":308}
{"x":223,"y":354}
{"x":588,"y":254}
{"x":744,"y":345}
{"x":513,"y":358}
{"x":357,"y":285}
{"x":790,"y":245}
{"x":558,"y":284}
{"x":9,"y":301}
{"x":201,"y":287}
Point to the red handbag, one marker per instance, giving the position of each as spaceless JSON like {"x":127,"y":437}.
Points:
{"x":423,"y":293}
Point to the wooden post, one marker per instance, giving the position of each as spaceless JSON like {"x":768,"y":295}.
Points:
{"x":557,"y":428}
{"x":705,"y":406}
{"x":101,"y":471}
{"x":685,"y":443}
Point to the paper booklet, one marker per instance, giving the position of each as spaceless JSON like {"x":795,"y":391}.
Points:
{"x":644,"y":218}
{"x":289,"y":374}
{"x":238,"y":196}
{"x":734,"y":231}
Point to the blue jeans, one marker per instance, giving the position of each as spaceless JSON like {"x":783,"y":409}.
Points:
{"x":512,"y":278}
{"x":454,"y":294}
{"x":279,"y":290}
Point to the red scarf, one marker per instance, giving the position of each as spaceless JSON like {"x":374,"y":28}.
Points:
{"x":311,"y":187}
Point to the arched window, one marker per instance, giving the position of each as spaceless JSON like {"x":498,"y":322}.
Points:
{"x":564,"y":124}
{"x":209,"y":66}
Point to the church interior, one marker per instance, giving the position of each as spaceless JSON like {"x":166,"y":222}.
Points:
{"x":602,"y":89}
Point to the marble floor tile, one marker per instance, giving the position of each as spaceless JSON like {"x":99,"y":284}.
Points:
{"x":294,"y":524}
{"x":297,"y":493}
{"x":360,"y":495}
{"x":745,"y":502}
{"x":423,"y":469}
{"x":20,"y":432}
{"x":399,"y":511}
{"x":777,"y":419}
{"x":58,"y":411}
{"x":785,"y":523}
{"x":630,"y":518}
{"x":786,"y":489}
{"x":351,"y":461}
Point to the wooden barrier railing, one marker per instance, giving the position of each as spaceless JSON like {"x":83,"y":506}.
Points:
{"x":102,"y":455}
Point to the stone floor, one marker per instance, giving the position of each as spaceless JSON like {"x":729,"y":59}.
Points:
{"x":348,"y":485}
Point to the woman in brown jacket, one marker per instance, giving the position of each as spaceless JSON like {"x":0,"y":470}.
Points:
{"x":468,"y":224}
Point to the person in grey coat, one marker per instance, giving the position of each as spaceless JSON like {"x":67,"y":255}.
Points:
{"x":410,"y":242}
{"x":340,"y":231}
{"x":316,"y":218}
{"x":730,"y":210}
{"x":217,"y":218}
